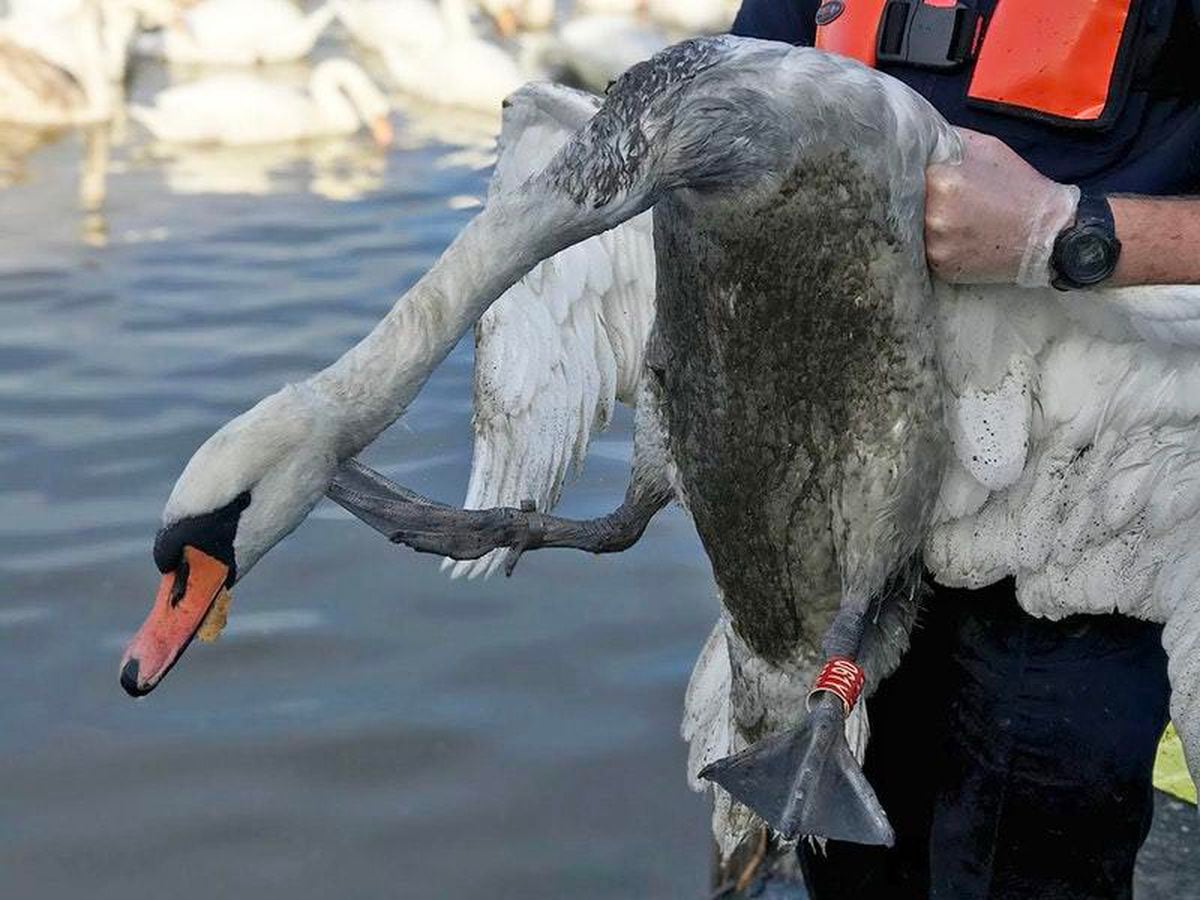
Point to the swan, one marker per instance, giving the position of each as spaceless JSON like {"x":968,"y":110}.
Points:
{"x":243,"y":32}
{"x":53,"y":30}
{"x":34,"y":91}
{"x":39,"y":90}
{"x":48,"y":28}
{"x":1055,"y":431}
{"x":238,"y":109}
{"x":462,"y":70}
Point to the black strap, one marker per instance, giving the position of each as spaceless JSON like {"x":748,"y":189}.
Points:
{"x":1094,"y":209}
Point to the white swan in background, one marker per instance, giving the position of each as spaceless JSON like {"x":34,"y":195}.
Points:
{"x":49,"y":28}
{"x":1071,"y":453}
{"x":243,"y":32}
{"x":70,"y":87}
{"x":63,"y":32}
{"x":35,"y":91}
{"x":392,"y":24}
{"x":598,"y":48}
{"x":238,"y":109}
{"x":463,"y":70}
{"x":694,"y":16}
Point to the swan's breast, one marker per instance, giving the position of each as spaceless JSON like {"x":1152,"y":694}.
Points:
{"x":797,"y":360}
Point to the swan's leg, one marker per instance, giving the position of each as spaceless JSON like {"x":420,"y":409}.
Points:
{"x":806,"y":781}
{"x":427,"y":526}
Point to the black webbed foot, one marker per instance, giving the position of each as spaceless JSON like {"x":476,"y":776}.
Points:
{"x":806,"y":781}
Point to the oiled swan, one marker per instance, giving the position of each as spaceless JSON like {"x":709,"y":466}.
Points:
{"x":804,"y":407}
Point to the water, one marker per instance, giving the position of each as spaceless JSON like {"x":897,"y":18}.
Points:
{"x":365,"y":727}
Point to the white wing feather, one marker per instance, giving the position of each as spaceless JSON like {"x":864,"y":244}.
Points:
{"x":559,"y":348}
{"x":1075,"y":422}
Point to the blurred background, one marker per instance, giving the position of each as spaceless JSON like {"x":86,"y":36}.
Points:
{"x":200,"y":201}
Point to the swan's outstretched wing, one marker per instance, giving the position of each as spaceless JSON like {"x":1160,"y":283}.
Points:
{"x":556,"y":351}
{"x":1077,"y":459}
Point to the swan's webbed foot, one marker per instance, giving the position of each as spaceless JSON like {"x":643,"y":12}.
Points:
{"x":427,"y":526}
{"x":806,"y":781}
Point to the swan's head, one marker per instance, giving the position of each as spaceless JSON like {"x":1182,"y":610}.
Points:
{"x":346,"y":95}
{"x":244,"y":490}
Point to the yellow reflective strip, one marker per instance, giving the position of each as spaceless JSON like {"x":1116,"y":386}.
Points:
{"x":1170,"y":769}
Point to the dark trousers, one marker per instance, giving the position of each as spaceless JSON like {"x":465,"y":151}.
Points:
{"x":1013,"y":756}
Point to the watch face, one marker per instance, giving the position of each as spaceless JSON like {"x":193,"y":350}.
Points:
{"x":1087,"y":256}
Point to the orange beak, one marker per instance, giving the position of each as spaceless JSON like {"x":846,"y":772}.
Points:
{"x":381,"y":131}
{"x":184,"y":599}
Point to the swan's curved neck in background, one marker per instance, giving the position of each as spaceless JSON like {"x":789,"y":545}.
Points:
{"x":333,"y":106}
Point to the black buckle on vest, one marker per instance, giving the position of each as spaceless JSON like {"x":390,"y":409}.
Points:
{"x":916,"y":33}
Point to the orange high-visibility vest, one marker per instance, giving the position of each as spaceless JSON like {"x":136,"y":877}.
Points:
{"x":1065,"y":61}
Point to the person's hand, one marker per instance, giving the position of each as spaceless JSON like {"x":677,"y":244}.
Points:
{"x":993,"y":217}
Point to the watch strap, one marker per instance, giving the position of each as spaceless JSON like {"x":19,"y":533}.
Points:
{"x":1094,"y":209}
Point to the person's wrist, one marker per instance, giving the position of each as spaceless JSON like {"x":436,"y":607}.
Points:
{"x":1054,"y":211}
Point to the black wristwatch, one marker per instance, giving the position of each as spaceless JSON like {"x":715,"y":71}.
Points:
{"x":1086,"y":253}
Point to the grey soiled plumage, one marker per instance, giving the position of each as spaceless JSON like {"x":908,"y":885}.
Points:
{"x":791,"y":397}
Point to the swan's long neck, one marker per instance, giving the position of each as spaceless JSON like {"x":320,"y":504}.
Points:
{"x":373,"y":382}
{"x":345,"y":96}
{"x":334,"y":109}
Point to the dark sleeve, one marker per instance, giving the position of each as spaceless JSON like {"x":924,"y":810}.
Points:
{"x":790,"y":21}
